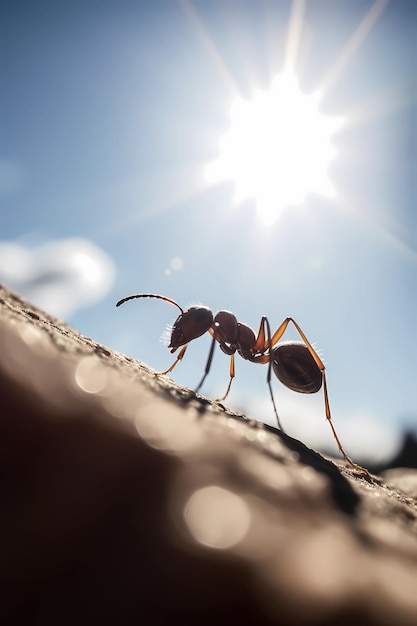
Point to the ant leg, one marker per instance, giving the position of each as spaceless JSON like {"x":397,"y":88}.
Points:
{"x":260,"y":344}
{"x":232,"y":375}
{"x":268,"y":378}
{"x":281,"y":330}
{"x":329,"y":418}
{"x":273,"y":400}
{"x":208,"y":365}
{"x":177,"y":360}
{"x":275,"y":338}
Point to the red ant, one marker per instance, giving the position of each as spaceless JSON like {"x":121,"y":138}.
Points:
{"x":295,"y":363}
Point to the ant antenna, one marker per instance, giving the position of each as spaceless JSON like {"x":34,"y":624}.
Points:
{"x":150,"y":295}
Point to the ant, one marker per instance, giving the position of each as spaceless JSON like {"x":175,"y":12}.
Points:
{"x":295,"y":363}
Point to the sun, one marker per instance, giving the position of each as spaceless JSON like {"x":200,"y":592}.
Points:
{"x":278,"y":148}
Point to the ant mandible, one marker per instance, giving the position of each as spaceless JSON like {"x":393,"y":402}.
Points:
{"x":295,"y":363}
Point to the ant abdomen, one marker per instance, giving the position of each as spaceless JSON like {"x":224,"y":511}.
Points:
{"x":295,"y":367}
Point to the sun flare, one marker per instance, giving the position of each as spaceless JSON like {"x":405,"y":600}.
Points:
{"x":278,"y":148}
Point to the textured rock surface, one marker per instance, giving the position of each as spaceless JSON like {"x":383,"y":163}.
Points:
{"x":126,"y":499}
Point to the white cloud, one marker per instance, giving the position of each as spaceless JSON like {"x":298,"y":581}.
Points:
{"x":60,"y":276}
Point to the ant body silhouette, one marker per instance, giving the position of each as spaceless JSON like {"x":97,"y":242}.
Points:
{"x":295,"y":363}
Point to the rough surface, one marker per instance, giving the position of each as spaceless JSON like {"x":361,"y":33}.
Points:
{"x":126,"y":499}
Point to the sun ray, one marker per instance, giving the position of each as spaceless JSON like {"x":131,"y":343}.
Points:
{"x":392,"y":99}
{"x":354,"y":43}
{"x":279,"y":146}
{"x":148,"y":195}
{"x":364,"y":218}
{"x":294,"y":35}
{"x":208,"y":44}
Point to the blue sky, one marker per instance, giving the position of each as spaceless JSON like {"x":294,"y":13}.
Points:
{"x":110,"y":112}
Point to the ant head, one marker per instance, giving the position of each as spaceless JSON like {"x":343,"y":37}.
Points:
{"x":192,"y":323}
